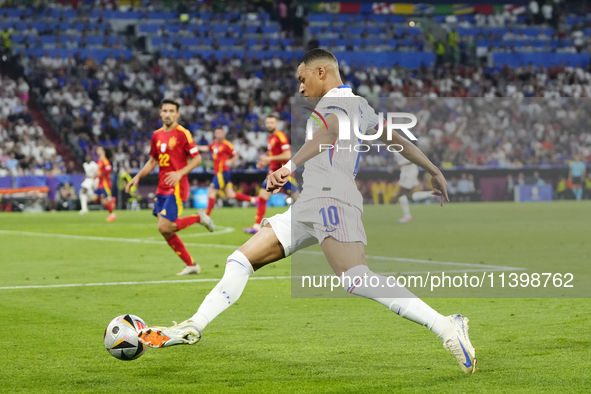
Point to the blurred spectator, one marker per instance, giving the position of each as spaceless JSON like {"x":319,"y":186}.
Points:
{"x":587,"y":194}
{"x":537,"y":180}
{"x":67,"y":197}
{"x":562,"y":191}
{"x":510,"y":188}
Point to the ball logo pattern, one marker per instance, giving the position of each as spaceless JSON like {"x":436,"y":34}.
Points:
{"x":121,"y":337}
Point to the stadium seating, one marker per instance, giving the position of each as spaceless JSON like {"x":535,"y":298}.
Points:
{"x":257,"y":45}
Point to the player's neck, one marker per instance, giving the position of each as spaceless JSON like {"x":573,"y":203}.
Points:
{"x":331,"y":84}
{"x":171,"y":127}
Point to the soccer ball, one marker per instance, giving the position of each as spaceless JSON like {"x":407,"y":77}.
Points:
{"x":121,"y":337}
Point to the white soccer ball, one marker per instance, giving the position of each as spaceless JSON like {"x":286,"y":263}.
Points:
{"x":289,"y":201}
{"x":121,"y":337}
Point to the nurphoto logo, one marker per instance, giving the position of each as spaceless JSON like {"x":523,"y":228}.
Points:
{"x":345,"y":129}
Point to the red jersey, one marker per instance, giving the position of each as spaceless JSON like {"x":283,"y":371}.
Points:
{"x":221,"y":152}
{"x":104,"y":174}
{"x":277,"y":143}
{"x":172,"y":149}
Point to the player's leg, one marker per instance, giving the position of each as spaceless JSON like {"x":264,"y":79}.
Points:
{"x":403,"y":197}
{"x":577,"y":188}
{"x":231,"y":193}
{"x":200,"y":217}
{"x":261,"y":205}
{"x":106,"y":200}
{"x":168,"y":208}
{"x":347,"y":259}
{"x":276,"y":240}
{"x":83,"y":196}
{"x":262,"y":249}
{"x":217,"y":183}
{"x":420,"y":196}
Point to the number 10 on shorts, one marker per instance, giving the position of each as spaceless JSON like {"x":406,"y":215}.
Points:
{"x":333,"y":216}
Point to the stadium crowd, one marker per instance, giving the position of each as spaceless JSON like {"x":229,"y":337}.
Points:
{"x":24,"y":150}
{"x":115,"y":104}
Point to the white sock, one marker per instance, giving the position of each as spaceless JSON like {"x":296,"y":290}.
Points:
{"x":83,"y":201}
{"x":226,"y":292}
{"x":419,"y":196}
{"x":404,"y":205}
{"x":398,"y":299}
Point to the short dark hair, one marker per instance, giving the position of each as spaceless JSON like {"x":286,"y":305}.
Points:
{"x":170,"y":101}
{"x":317,"y":54}
{"x":272,"y":116}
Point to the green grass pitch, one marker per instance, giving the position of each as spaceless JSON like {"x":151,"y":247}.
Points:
{"x":270,"y":342}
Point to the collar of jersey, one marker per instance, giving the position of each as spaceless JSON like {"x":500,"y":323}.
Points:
{"x":344,"y":87}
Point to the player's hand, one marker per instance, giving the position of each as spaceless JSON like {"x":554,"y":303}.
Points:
{"x":172,"y":178}
{"x":277,"y":180}
{"x":439,"y":185}
{"x":133,"y":182}
{"x":263,"y":161}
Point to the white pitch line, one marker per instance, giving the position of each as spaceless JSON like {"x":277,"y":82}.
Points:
{"x":476,"y":267}
{"x":482,"y":266}
{"x":151,"y":282}
{"x":155,"y":282}
{"x":223,"y":230}
{"x":155,"y":242}
{"x":110,"y":239}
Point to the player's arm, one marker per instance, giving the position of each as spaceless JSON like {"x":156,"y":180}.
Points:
{"x":173,"y":177}
{"x":148,"y":168}
{"x":323,"y":140}
{"x":232,"y":160}
{"x":203,"y":148}
{"x":264,"y":160}
{"x":414,"y":155}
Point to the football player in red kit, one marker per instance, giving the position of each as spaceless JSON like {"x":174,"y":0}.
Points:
{"x":172,"y":146}
{"x":224,"y":156}
{"x":104,"y":183}
{"x":279,"y":154}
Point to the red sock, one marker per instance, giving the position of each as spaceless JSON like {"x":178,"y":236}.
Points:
{"x":210,"y":205}
{"x":113,"y":203}
{"x":109,"y":206}
{"x":182,"y":223}
{"x":261,"y":209}
{"x":179,"y":248}
{"x":242,"y":197}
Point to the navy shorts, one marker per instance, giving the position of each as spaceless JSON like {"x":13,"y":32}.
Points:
{"x":169,"y":206}
{"x":221,"y":180}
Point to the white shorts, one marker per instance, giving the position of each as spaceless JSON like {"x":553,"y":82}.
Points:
{"x":90,"y":185}
{"x":409,"y":176}
{"x":310,"y":222}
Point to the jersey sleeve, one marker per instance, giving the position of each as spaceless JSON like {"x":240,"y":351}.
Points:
{"x":190,"y":148}
{"x":230,"y":149}
{"x":283,"y":142}
{"x":108,"y":167}
{"x":153,"y":149}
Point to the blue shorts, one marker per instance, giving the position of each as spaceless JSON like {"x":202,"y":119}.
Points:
{"x":168,"y":206}
{"x":103,"y":192}
{"x":221,"y":180}
{"x":288,"y":188}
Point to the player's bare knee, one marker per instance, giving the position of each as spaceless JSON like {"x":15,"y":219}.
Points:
{"x":165,"y":229}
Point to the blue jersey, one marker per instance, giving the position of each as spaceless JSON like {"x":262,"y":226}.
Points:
{"x":577,"y":168}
